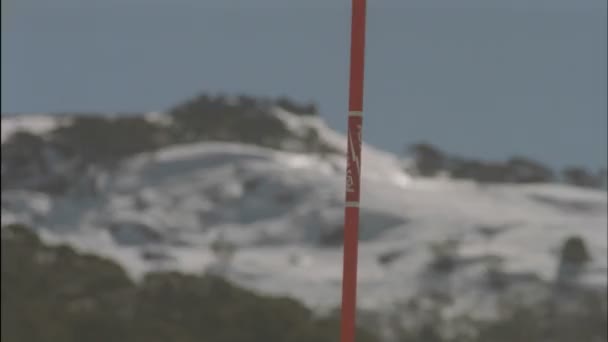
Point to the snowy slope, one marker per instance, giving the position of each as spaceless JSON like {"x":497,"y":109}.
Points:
{"x":31,"y":123}
{"x":283,"y":214}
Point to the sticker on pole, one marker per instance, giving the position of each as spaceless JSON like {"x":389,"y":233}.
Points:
{"x":353,"y":170}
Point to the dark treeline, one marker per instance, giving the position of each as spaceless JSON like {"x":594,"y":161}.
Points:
{"x":51,"y":162}
{"x":53,"y":293}
{"x":430,"y":161}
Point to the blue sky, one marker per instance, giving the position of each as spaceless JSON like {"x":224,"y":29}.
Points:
{"x":479,"y":78}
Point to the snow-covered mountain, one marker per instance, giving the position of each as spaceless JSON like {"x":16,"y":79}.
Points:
{"x":279,"y":214}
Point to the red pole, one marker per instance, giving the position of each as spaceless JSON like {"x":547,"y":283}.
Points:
{"x":353,"y":172}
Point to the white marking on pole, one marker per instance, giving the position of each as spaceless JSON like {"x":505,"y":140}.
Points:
{"x":355,"y":113}
{"x":353,"y":154}
{"x":352,"y":204}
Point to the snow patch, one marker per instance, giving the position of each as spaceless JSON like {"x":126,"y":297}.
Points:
{"x":283,"y":212}
{"x":31,"y":123}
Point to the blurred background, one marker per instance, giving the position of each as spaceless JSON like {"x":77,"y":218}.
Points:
{"x":174,"y":170}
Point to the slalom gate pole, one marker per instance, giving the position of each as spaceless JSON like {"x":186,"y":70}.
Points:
{"x":353,"y":172}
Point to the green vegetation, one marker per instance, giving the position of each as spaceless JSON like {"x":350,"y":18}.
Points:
{"x":580,"y":177}
{"x":575,"y":251}
{"x":22,"y":158}
{"x":55,"y":294}
{"x":98,"y":139}
{"x":51,"y":162}
{"x":547,"y":321}
{"x":430,"y":161}
{"x":244,"y":119}
{"x":576,"y":315}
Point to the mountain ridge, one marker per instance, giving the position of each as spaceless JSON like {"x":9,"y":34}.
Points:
{"x":268,"y":215}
